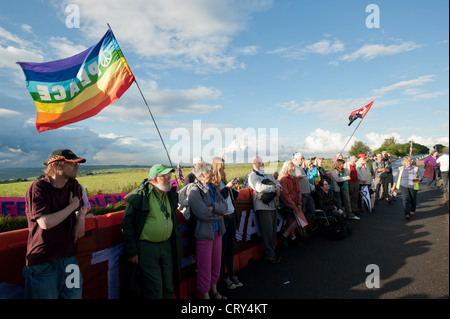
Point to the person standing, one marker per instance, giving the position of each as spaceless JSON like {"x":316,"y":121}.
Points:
{"x":431,"y":169}
{"x":381,"y":170}
{"x":208,"y":206}
{"x":266,"y":211}
{"x":305,"y":187}
{"x":407,"y":179}
{"x":150,"y":234}
{"x":443,"y":165}
{"x":55,"y":223}
{"x":365,"y":178}
{"x":229,"y":193}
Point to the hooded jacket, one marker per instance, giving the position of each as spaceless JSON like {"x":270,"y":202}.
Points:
{"x":133,"y":223}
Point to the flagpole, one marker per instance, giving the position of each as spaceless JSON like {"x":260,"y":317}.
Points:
{"x":351,"y":136}
{"x":157,"y":129}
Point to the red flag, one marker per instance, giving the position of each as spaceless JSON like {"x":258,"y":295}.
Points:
{"x":361,"y":113}
{"x":410,"y":149}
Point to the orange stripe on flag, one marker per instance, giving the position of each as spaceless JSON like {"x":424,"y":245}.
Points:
{"x":118,"y":85}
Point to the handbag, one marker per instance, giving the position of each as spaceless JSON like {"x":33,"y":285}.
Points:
{"x":266,"y":197}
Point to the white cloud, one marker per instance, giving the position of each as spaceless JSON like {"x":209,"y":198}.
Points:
{"x":421,"y":80}
{"x":64,"y":47}
{"x":322,"y":47}
{"x":183,"y":33}
{"x":5,"y":113}
{"x":372,"y":51}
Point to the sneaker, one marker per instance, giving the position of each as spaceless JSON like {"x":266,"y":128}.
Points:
{"x":354,"y":217}
{"x":236,"y":281}
{"x":230,"y":284}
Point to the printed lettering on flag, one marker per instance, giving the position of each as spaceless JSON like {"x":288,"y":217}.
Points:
{"x":76,"y":88}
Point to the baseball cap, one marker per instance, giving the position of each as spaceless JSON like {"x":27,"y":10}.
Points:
{"x":159,"y":169}
{"x":63,"y":155}
{"x":362,"y":155}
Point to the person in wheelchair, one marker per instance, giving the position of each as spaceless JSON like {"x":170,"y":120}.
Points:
{"x":325,"y":201}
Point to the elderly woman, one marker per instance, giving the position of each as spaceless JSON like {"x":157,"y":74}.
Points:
{"x":407,"y":179}
{"x":291,"y":197}
{"x":208,"y":206}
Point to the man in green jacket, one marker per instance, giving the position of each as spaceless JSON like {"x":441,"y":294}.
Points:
{"x":150,"y":234}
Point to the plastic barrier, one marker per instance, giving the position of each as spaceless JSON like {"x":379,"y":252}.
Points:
{"x":100,"y":253}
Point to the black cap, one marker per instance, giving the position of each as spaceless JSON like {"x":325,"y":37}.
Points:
{"x":63,"y":155}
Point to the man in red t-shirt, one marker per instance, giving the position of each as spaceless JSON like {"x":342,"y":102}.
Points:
{"x":55,"y":223}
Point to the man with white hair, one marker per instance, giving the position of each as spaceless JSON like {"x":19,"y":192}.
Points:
{"x":150,"y":234}
{"x":266,"y":188}
{"x":309,"y":208}
{"x":190,"y":178}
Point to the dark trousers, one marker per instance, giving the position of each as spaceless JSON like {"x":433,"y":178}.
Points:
{"x":228,"y":243}
{"x":156,"y":266}
{"x":268,"y":226}
{"x":409,"y":196}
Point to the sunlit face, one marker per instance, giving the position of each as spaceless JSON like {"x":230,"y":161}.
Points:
{"x":67,"y":169}
{"x":162,"y":182}
{"x":290,"y":168}
{"x":408,"y":163}
{"x":206,"y":177}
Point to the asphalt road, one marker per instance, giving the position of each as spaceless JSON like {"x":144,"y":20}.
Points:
{"x":412,"y":257}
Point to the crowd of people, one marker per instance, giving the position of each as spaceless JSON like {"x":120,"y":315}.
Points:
{"x":56,"y":209}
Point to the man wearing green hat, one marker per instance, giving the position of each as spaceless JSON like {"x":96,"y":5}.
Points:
{"x":150,"y":234}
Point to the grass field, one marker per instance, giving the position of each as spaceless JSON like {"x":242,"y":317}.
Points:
{"x":126,"y":180}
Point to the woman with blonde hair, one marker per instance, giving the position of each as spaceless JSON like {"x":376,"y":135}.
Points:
{"x":228,"y":192}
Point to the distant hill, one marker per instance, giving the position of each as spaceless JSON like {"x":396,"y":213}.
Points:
{"x":34,"y":172}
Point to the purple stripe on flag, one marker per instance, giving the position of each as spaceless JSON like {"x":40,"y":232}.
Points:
{"x":55,"y":66}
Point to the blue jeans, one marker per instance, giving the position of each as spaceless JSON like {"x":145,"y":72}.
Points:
{"x":57,"y":279}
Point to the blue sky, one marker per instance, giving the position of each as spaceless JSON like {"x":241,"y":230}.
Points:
{"x":288,"y":73}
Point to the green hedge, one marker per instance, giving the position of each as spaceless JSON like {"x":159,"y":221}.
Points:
{"x":10,"y":223}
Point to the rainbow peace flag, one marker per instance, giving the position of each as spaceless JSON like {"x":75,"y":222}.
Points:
{"x":76,"y":88}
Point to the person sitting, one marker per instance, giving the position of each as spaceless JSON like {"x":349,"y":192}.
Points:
{"x":325,"y":200}
{"x":291,"y":197}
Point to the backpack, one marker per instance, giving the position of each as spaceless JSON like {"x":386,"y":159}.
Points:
{"x":183,"y":201}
